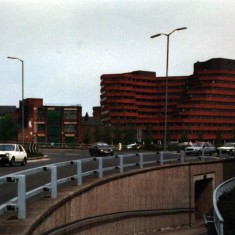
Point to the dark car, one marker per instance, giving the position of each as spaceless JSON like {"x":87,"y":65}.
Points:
{"x":101,"y":149}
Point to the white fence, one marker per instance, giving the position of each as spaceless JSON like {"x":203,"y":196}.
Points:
{"x":125,"y":162}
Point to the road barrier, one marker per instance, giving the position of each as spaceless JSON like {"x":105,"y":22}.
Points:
{"x":125,"y":162}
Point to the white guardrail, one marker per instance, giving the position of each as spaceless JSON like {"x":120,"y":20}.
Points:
{"x":19,"y":203}
{"x":218,"y":220}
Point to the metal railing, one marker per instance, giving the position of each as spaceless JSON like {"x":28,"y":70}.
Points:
{"x":220,"y":190}
{"x":19,"y":202}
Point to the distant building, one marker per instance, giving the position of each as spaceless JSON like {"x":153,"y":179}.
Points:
{"x":201,"y":104}
{"x":54,"y":124}
{"x":4,"y":109}
{"x":89,"y":125}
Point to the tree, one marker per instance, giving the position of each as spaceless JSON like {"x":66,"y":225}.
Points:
{"x":118,"y":137}
{"x":97,"y":134}
{"x":87,"y":136}
{"x":130,"y":135}
{"x":8,"y":129}
{"x":107,"y":134}
{"x":201,"y":136}
{"x":233,"y":136}
{"x":148,"y":137}
{"x":183,"y":138}
{"x":218,"y":140}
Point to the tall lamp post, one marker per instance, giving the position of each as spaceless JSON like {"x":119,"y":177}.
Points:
{"x":22,"y":104}
{"x":166,"y":81}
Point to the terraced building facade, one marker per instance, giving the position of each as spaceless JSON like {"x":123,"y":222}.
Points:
{"x":201,"y":105}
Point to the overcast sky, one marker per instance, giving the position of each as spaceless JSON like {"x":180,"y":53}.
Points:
{"x":67,"y":45}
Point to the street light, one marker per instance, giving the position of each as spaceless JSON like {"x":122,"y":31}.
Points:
{"x":166,"y":81}
{"x":15,"y":58}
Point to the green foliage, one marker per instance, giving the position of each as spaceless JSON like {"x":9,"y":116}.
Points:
{"x":148,"y":137}
{"x":107,"y":134}
{"x":183,"y":138}
{"x":153,"y":147}
{"x":8,"y":129}
{"x":233,"y":136}
{"x":218,"y":140}
{"x":118,"y":135}
{"x":97,"y":133}
{"x":86,"y":136}
{"x":201,"y":136}
{"x":130,"y":135}
{"x":175,"y":147}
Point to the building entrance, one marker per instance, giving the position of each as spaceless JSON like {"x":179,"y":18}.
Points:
{"x":203,"y":193}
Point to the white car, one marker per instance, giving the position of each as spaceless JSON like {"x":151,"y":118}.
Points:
{"x":200,"y":147}
{"x":133,"y":146}
{"x":228,"y":148}
{"x":12,"y":154}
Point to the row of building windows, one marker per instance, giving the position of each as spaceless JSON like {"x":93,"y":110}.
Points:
{"x":212,"y":95}
{"x":175,"y":124}
{"x":132,"y":80}
{"x":67,"y":128}
{"x":67,"y":114}
{"x":208,"y":110}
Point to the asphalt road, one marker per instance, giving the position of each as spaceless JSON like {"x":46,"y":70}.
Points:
{"x":9,"y":190}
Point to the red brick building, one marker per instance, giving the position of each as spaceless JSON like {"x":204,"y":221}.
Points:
{"x":201,"y":104}
{"x":52,"y":123}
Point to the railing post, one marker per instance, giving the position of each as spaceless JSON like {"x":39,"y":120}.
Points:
{"x":79,"y":172}
{"x":120,"y":157}
{"x":21,"y":188}
{"x":53,"y":169}
{"x":182,"y":154}
{"x":161,"y":158}
{"x":100,"y":163}
{"x":141,"y":160}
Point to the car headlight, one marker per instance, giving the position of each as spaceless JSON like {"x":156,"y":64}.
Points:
{"x":7,"y":154}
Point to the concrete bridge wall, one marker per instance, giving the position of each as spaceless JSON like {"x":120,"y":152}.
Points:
{"x":137,"y":202}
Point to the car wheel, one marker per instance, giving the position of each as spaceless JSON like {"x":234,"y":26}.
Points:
{"x":12,"y":162}
{"x":24,"y":162}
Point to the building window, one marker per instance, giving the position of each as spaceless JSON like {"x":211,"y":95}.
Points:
{"x":41,"y":127}
{"x":40,"y":114}
{"x":41,"y":139}
{"x":70,"y":128}
{"x":70,"y":114}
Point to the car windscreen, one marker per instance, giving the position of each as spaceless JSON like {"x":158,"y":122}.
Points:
{"x":7,"y":147}
{"x":197,"y":145}
{"x":229,"y":145}
{"x":103,"y":145}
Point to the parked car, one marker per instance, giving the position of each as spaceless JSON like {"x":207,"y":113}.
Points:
{"x":199,"y":147}
{"x":12,"y":154}
{"x":228,"y":148}
{"x":101,"y":149}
